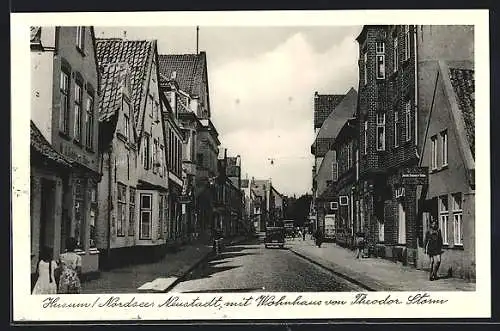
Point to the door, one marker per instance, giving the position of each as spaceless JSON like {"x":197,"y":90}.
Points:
{"x":47,"y":231}
{"x":402,"y":224}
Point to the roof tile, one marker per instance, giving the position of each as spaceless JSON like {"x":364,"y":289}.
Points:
{"x":324,"y":104}
{"x":189,"y":70}
{"x":113,"y":82}
{"x":136,"y":54}
{"x":462,"y":81}
{"x":42,"y":146}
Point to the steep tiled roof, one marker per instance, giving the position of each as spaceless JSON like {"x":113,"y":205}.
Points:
{"x":324,"y":104}
{"x":42,"y":146}
{"x":189,"y":69}
{"x":113,"y":81}
{"x":462,"y":81}
{"x":136,"y":54}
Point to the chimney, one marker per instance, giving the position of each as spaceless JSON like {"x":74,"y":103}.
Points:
{"x":197,"y":38}
{"x":124,"y":34}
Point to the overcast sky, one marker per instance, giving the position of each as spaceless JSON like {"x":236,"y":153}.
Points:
{"x":262,"y":81}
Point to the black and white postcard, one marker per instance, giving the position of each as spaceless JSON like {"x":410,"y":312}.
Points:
{"x":250,"y":165}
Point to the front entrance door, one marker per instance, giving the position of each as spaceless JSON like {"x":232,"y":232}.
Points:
{"x":47,"y":213}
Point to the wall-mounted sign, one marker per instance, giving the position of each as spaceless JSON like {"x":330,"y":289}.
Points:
{"x":344,"y":200}
{"x":415,"y":176}
{"x":334,"y":205}
{"x":399,"y":192}
{"x":184,"y":199}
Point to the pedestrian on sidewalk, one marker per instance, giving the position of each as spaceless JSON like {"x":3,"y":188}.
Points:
{"x":45,"y":270}
{"x":318,"y":235}
{"x":434,"y":248}
{"x":304,"y":234}
{"x":71,"y":269}
{"x":360,"y":244}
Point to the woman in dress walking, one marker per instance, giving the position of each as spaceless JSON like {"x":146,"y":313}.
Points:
{"x":433,"y":247}
{"x":46,"y":268}
{"x":71,"y":269}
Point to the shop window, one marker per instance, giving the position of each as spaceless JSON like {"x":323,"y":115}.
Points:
{"x":444,"y":148}
{"x":401,"y":224}
{"x":380,"y":132}
{"x":457,"y":219}
{"x":434,"y":152}
{"x":145,"y":215}
{"x":443,"y":217}
{"x":93,"y":215}
{"x":131,"y":212}
{"x":122,"y":210}
{"x":380,"y":59}
{"x":79,"y":210}
{"x":77,"y":128}
{"x":64,"y":112}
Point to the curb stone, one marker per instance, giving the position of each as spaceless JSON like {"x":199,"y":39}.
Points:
{"x":371,"y":288}
{"x":183,"y":274}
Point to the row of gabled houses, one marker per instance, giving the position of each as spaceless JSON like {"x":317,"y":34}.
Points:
{"x":124,"y":154}
{"x":399,"y":152}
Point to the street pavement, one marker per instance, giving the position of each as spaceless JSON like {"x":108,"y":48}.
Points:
{"x":377,"y":274}
{"x":250,"y":267}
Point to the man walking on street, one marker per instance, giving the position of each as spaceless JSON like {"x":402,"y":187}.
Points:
{"x":304,"y":234}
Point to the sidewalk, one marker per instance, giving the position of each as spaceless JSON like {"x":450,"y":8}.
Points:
{"x":171,"y":268}
{"x":375,"y":274}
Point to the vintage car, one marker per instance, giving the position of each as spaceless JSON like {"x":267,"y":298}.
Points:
{"x":275,"y":237}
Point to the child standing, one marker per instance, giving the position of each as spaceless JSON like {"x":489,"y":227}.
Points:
{"x":46,"y":282}
{"x":71,"y":269}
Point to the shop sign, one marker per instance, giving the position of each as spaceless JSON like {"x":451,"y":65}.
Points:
{"x":415,"y":176}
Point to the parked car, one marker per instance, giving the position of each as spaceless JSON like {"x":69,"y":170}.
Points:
{"x":275,"y":236}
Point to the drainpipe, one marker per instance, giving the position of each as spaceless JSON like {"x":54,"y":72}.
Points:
{"x":110,"y":202}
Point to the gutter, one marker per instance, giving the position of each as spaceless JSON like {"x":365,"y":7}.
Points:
{"x":416,"y":88}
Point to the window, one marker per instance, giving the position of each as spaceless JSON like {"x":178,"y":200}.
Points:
{"x":122,"y":210}
{"x":395,"y":54}
{"x":408,"y":120}
{"x":77,"y":129}
{"x":457,"y":219}
{"x":155,"y":155}
{"x":407,"y":42}
{"x":444,"y":148}
{"x":89,"y":122}
{"x":64,"y":113}
{"x":335,"y":171}
{"x":365,"y":67}
{"x":151,"y":106}
{"x":348,"y":155}
{"x":131,"y":212}
{"x":79,"y":211}
{"x":146,"y":151}
{"x":145,"y":217}
{"x":434,"y":152}
{"x":92,"y":218}
{"x":161,"y":167}
{"x":356,"y":163}
{"x":396,"y":129}
{"x":80,"y":37}
{"x":126,"y":119}
{"x":365,"y":134}
{"x":380,"y":56}
{"x":380,"y":131}
{"x":443,"y":217}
